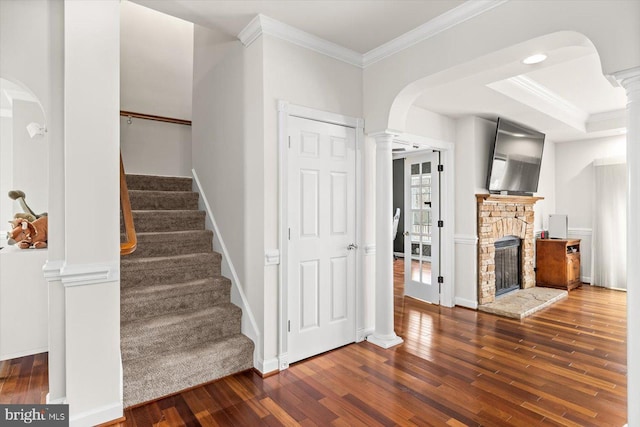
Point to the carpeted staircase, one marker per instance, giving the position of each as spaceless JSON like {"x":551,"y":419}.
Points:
{"x":178,"y":326}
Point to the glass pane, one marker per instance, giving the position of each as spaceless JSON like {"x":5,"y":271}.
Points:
{"x":415,"y":180}
{"x":415,"y":169}
{"x":426,"y":167}
{"x":415,"y":249}
{"x":415,"y":198}
{"x":426,"y":250}
{"x":416,"y":224}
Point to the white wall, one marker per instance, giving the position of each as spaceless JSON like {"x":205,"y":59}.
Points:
{"x":227,"y":120}
{"x":474,"y":138}
{"x":574,"y":183}
{"x":30,"y":158}
{"x":431,"y":125}
{"x":6,"y":175}
{"x":156,"y":72}
{"x":23,"y":303}
{"x":37,"y":27}
{"x":306,"y":78}
{"x":502,"y":27}
{"x":156,"y":62}
{"x":91,"y":270}
{"x":155,"y":148}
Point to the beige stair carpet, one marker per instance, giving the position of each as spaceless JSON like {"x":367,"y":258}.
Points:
{"x":178,"y":325}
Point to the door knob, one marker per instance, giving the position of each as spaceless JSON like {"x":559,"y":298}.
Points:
{"x":405,"y":234}
{"x":352,"y":246}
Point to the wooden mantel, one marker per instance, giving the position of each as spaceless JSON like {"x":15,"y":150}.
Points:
{"x":509,"y":198}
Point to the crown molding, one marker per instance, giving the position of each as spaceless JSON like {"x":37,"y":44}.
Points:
{"x":262,"y":24}
{"x":451,"y":18}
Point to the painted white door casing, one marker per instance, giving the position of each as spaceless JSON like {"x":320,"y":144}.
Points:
{"x":321,"y":247}
{"x":422,"y":240}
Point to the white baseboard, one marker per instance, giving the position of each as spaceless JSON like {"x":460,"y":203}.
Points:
{"x":463,"y":302}
{"x":267,"y":366}
{"x":96,"y":416}
{"x":58,"y":401}
{"x":24,"y":353}
{"x":249,"y":325}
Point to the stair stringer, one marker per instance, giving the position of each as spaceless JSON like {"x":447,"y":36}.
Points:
{"x":249,"y":327}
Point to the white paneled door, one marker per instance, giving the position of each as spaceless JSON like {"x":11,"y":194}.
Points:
{"x":422,"y":235}
{"x":322,"y":248}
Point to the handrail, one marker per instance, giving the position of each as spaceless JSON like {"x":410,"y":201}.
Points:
{"x":130,"y":245}
{"x":131,"y":114}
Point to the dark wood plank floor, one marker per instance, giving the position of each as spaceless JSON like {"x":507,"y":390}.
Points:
{"x":565,"y":365}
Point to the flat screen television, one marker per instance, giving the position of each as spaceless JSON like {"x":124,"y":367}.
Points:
{"x":516,"y":156}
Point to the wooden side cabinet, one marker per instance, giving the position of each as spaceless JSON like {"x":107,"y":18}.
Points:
{"x":558,"y":263}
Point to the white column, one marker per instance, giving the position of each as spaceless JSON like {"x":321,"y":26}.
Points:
{"x":630,"y":80}
{"x":383,"y":334}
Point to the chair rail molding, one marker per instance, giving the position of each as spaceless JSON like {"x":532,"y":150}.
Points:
{"x":89,"y":274}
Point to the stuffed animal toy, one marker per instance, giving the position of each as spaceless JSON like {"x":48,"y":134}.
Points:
{"x":28,"y":214}
{"x":27,"y":234}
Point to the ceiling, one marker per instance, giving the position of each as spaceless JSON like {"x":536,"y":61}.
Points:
{"x":567,"y":98}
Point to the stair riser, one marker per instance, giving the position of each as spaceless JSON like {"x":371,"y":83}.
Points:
{"x":159,"y":271}
{"x":161,"y":276}
{"x":149,"y":341}
{"x":150,"y":221}
{"x":162,"y":245}
{"x":185,"y":370}
{"x":148,"y":200}
{"x":159,"y":304}
{"x":158,"y":183}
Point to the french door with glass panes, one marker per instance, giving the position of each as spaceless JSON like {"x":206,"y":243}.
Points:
{"x":422,"y":237}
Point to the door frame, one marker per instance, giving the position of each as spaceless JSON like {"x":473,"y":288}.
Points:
{"x":285,"y":110}
{"x":447,"y":198}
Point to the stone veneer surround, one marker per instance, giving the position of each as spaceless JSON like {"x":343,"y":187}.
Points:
{"x":500,"y":216}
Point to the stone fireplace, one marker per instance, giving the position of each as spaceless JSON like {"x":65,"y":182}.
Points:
{"x":501,"y":216}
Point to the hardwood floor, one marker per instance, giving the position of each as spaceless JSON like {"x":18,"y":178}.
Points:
{"x":565,"y":365}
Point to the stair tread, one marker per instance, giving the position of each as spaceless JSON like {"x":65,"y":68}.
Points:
{"x":159,"y":288}
{"x":176,"y":318}
{"x":173,"y":233}
{"x":161,"y":374}
{"x":184,"y":258}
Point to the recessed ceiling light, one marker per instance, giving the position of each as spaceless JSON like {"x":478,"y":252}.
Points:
{"x":534,"y":59}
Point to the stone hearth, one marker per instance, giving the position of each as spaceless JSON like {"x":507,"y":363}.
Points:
{"x":500,"y":216}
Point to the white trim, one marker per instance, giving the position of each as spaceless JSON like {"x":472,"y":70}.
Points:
{"x":549,"y":96}
{"x":586,"y":279}
{"x":584,"y":232}
{"x":465,"y":239}
{"x":250,"y":328}
{"x":370,"y":250}
{"x":285,"y":109}
{"x":24,"y":353}
{"x":58,"y":401}
{"x":51,"y":270}
{"x":609,"y":161}
{"x":88,"y":274}
{"x":262,"y":24}
{"x":97,"y":416}
{"x":319,"y":115}
{"x":267,"y":366}
{"x":385,"y":343}
{"x":449,"y":19}
{"x":463,"y":302}
{"x":363,"y":334}
{"x":272,"y":257}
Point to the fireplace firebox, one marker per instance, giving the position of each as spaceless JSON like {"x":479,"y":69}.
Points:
{"x":507,"y":264}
